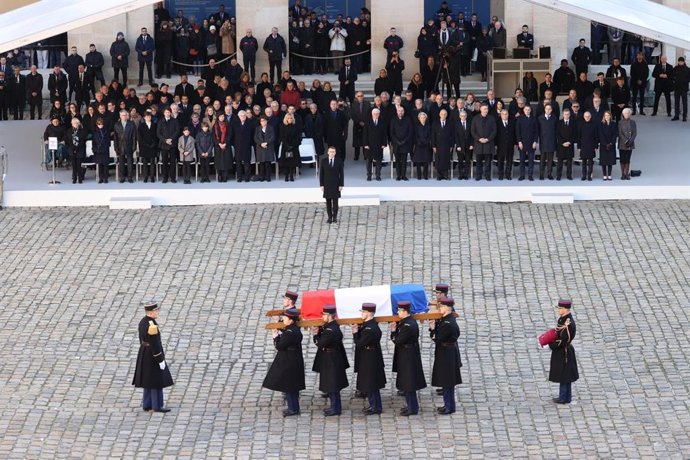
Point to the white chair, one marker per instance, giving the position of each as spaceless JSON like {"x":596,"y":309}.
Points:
{"x":113,"y":160}
{"x":92,"y":162}
{"x":307,"y":152}
{"x":387,"y":158}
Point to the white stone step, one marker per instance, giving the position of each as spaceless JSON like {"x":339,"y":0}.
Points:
{"x":130,"y":202}
{"x":359,"y":200}
{"x":553,"y":198}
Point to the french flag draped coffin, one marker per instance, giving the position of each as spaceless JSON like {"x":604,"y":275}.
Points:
{"x":348,"y":301}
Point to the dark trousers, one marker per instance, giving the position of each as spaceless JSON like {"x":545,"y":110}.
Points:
{"x":412,"y":403}
{"x":148,"y":69}
{"x":292,"y":401}
{"x":77,"y":170}
{"x":357,"y":151}
{"x":374,"y":398}
{"x":169,"y":166}
{"x":35,"y":105}
{"x":153,"y":399}
{"x":505,"y":162}
{"x":103,"y":172}
{"x":607,"y":170}
{"x":149,"y":167}
{"x":4,"y":107}
{"x":265,"y":170}
{"x":277,"y":67}
{"x":527,"y":160}
{"x":464,"y":163}
{"x":657,"y":96}
{"x":336,"y":405}
{"x":332,"y":207}
{"x":308,"y":64}
{"x":638,"y":89}
{"x":568,"y":167}
{"x":483,"y":166}
{"x":449,"y":398}
{"x":204,"y":166}
{"x":125,"y":164}
{"x":587,"y":167}
{"x":401,"y":164}
{"x":546,"y":165}
{"x":249,"y":65}
{"x":422,"y":170}
{"x":370,"y":162}
{"x":187,"y":171}
{"x":681,"y":96}
{"x":244,"y":170}
{"x":18,"y":110}
{"x":565,"y":392}
{"x":117,"y":70}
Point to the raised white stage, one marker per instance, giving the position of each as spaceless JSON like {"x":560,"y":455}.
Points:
{"x":661,"y":154}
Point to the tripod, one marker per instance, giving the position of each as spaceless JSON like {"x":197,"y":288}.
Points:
{"x":443,"y":75}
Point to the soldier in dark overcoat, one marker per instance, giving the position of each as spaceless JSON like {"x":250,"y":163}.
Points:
{"x":151,"y":372}
{"x":563,"y":368}
{"x":371,"y":375}
{"x":331,"y":360}
{"x":446,"y":372}
{"x":407,"y":360}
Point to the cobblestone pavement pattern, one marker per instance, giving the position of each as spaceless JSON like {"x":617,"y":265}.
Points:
{"x":71,"y":282}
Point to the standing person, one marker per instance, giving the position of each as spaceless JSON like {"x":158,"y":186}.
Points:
{"x":249,"y":46}
{"x":168,"y":131}
{"x":422,"y":154}
{"x":57,"y":85}
{"x":145,"y":47}
{"x":331,"y":360}
{"x":242,"y":137}
{"x":563,"y":368}
{"x":639,"y":73}
{"x":94,"y":67}
{"x":392,"y":43}
{"x":286,"y":373}
{"x":484,"y":133}
{"x":581,"y":57}
{"x":204,"y":150}
{"x":331,"y":181}
{"x":505,"y":145}
{"x":187,"y":148}
{"x":402,"y":138}
{"x":547,"y":142}
{"x":464,"y":145}
{"x":19,"y":93}
{"x":587,"y":141}
{"x":223,"y":153}
{"x":394,"y":69}
{"x":125,"y":144}
{"x":375,"y":139}
{"x":101,"y":149}
{"x":663,"y":84}
{"x":442,"y":142}
{"x":446,"y":371}
{"x":71,"y":63}
{"x":75,"y":139}
{"x":338,"y":35}
{"x":371,"y":374}
{"x":264,"y":140}
{"x":620,"y":98}
{"x":34,"y":90}
{"x":290,"y":139}
{"x":275,"y":47}
{"x":82,"y":87}
{"x":565,"y":140}
{"x":335,"y":127}
{"x":152,"y":372}
{"x":607,"y":135}
{"x":407,"y":359}
{"x":119,"y":53}
{"x":313,"y":128}
{"x":681,"y":78}
{"x":627,"y":132}
{"x":148,"y":146}
{"x":527,"y":135}
{"x":347,"y":78}
{"x":359,"y":112}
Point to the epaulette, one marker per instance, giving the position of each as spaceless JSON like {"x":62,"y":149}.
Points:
{"x":153,"y":328}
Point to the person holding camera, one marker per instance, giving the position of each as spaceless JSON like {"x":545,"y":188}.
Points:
{"x":337,"y":35}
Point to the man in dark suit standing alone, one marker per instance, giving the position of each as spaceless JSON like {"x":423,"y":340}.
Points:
{"x":331,"y":180}
{"x":347,"y":78}
{"x":484,"y":132}
{"x":375,"y":139}
{"x":663,"y":84}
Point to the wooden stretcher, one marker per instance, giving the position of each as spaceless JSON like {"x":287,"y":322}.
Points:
{"x":306,"y":324}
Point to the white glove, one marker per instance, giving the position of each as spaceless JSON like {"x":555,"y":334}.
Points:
{"x":161,"y":365}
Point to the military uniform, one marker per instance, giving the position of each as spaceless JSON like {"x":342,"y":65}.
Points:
{"x":371,"y":374}
{"x":331,"y":362}
{"x":407,"y":360}
{"x":446,"y":371}
{"x":563,"y":368}
{"x":152,"y":372}
{"x":286,"y":374}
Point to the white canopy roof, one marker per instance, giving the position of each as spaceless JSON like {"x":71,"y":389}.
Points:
{"x":643,"y":17}
{"x":47,"y":18}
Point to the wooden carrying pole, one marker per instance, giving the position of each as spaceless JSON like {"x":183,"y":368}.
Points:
{"x":429,"y":316}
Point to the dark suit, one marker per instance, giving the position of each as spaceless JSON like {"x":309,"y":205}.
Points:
{"x":525,"y":40}
{"x":505,"y":148}
{"x":402,"y":137}
{"x":443,"y":140}
{"x":347,"y":91}
{"x":375,"y":138}
{"x":34,"y":84}
{"x":125,"y":144}
{"x":335,"y":131}
{"x":358,"y":115}
{"x":331,"y":178}
{"x":464,"y":146}
{"x":57,"y":85}
{"x":547,"y":144}
{"x":663,"y":85}
{"x":565,"y":132}
{"x":483,"y":127}
{"x":18,"y":101}
{"x":82,"y":90}
{"x":527,"y":133}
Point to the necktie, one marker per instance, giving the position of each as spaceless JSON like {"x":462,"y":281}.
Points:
{"x":444,"y":37}
{"x":566,"y":122}
{"x":443,"y":124}
{"x":505,"y":124}
{"x":347,"y":71}
{"x":376,"y":122}
{"x":331,"y":163}
{"x":464,"y":126}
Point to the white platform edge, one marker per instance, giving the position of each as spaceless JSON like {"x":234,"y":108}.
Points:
{"x":119,"y":202}
{"x":553,"y":198}
{"x":351,"y":196}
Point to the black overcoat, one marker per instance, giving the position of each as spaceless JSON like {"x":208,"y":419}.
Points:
{"x":401,"y":134}
{"x":407,"y":360}
{"x":290,"y":140}
{"x":76,"y":149}
{"x":547,"y":133}
{"x":286,"y":374}
{"x":443,"y":139}
{"x":331,"y":359}
{"x":565,"y":134}
{"x":376,"y":138}
{"x":223,"y":157}
{"x":588,"y":139}
{"x":331,"y":178}
{"x":371,"y":374}
{"x":242,"y":137}
{"x":447,"y":363}
{"x":483,"y":127}
{"x":563,"y":367}
{"x":148,"y":373}
{"x":422,"y":143}
{"x":147,"y":140}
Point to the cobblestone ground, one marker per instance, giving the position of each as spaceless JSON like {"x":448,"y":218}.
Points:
{"x":71,"y":282}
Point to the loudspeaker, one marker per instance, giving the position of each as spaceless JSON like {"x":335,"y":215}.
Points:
{"x":544,"y":52}
{"x":499,"y":53}
{"x":521,"y":53}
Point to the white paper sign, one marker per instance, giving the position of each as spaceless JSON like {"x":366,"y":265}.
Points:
{"x":52,"y":143}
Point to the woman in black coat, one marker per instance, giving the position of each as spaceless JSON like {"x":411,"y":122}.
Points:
{"x":313,"y":128}
{"x":286,"y":374}
{"x":290,"y":139}
{"x":101,"y":150}
{"x":483,"y":47}
{"x":607,"y":134}
{"x":331,"y":360}
{"x":148,"y":146}
{"x":322,"y":44}
{"x":382,"y":83}
{"x":325,"y":97}
{"x":430,"y":73}
{"x":587,"y":132}
{"x":75,"y":139}
{"x":422,"y":154}
{"x":223,"y":153}
{"x":417,"y":87}
{"x":426,"y":46}
{"x":563,"y":368}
